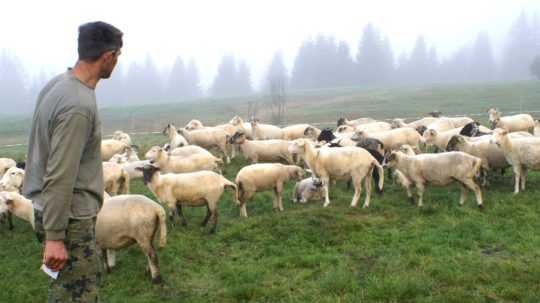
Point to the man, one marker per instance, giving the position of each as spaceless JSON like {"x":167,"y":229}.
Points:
{"x":64,"y":176}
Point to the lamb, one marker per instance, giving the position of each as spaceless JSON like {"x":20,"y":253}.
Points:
{"x":121,"y":136}
{"x":111,"y":147}
{"x":194,"y":124}
{"x":340,"y":163}
{"x":175,"y":139}
{"x":308,"y":189}
{"x":394,"y":138}
{"x":197,"y":189}
{"x":265,"y":131}
{"x":521,"y":153}
{"x":11,"y":181}
{"x":115,"y":179}
{"x":397,"y":123}
{"x":127,"y":219}
{"x":439,"y":169}
{"x":345,"y":121}
{"x":15,"y":203}
{"x":207,"y":138}
{"x":521,"y":122}
{"x":259,"y":177}
{"x":440,"y":138}
{"x":263,"y":150}
{"x":179,"y":164}
{"x":5,"y":164}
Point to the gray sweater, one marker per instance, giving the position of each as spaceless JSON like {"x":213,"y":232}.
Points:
{"x":64,"y":173}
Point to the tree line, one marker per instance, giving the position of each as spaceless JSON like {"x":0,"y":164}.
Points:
{"x":321,"y":62}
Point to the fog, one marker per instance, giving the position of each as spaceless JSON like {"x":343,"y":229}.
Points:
{"x":178,"y":50}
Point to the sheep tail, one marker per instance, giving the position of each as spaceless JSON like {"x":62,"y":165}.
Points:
{"x":380,"y":170}
{"x":162,"y":218}
{"x":477,"y":168}
{"x":124,"y":183}
{"x":230,"y":184}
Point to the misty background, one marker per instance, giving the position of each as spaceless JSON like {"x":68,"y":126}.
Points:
{"x":318,"y":60}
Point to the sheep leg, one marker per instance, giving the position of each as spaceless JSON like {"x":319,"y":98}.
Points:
{"x":325,"y":182}
{"x":523,"y":177}
{"x":214,"y":218}
{"x":207,"y":217}
{"x":278,"y":190}
{"x":517,"y":178}
{"x":10,"y":220}
{"x":420,"y":191}
{"x":181,"y":214}
{"x":367,"y":182}
{"x":463,"y":196}
{"x":477,"y":192}
{"x":244,"y":197}
{"x":153,"y":261}
{"x":111,"y":259}
{"x":357,"y":191}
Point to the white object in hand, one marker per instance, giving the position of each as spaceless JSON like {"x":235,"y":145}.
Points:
{"x":53,"y":274}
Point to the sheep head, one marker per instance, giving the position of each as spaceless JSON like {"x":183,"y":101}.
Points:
{"x":148,"y":171}
{"x":153,"y":153}
{"x":455,"y":143}
{"x":298,"y":146}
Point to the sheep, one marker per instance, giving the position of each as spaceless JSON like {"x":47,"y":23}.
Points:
{"x":207,"y":138}
{"x":537,"y":128}
{"x":115,"y":179}
{"x":345,"y":121}
{"x":121,"y":136}
{"x":263,"y":150}
{"x":397,"y":123}
{"x":393,"y":139}
{"x":312,"y":133}
{"x":175,"y":139}
{"x":127,"y":219}
{"x":5,"y":164}
{"x":373,"y":127}
{"x":264,"y":176}
{"x":438,"y":169}
{"x":446,"y":123}
{"x":179,"y":164}
{"x":196,"y":189}
{"x":399,"y":176}
{"x":521,"y":122}
{"x":265,"y":131}
{"x":11,"y":181}
{"x":296,"y":131}
{"x":186,"y":151}
{"x":440,"y":138}
{"x":521,"y":153}
{"x":492,"y":157}
{"x":308,"y":189}
{"x":235,"y":124}
{"x":340,"y":163}
{"x":194,"y":124}
{"x":435,"y":114}
{"x":110,"y":147}
{"x":15,"y":203}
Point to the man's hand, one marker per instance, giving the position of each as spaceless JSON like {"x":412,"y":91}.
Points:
{"x":55,"y":255}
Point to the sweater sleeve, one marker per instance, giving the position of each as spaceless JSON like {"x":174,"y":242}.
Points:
{"x":68,"y":139}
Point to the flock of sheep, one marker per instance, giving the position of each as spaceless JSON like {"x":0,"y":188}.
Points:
{"x":184,"y":172}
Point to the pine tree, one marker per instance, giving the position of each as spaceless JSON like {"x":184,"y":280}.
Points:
{"x":13,"y":94}
{"x":276,"y":72}
{"x":520,"y":49}
{"x":419,"y":62}
{"x":193,"y":81}
{"x":178,"y":86}
{"x":243,"y":79}
{"x":225,"y":81}
{"x":482,"y":62}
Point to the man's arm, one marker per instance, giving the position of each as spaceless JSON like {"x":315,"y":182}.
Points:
{"x":69,"y":136}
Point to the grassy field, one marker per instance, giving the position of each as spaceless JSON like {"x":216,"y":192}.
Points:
{"x":391,"y":252}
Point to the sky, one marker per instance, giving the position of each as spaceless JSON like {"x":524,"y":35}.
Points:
{"x":43,"y":34}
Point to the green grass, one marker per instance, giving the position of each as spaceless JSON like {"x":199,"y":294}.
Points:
{"x":391,"y":252}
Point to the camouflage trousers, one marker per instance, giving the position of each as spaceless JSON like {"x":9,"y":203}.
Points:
{"x":79,"y":280}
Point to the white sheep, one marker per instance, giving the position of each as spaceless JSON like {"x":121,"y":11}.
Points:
{"x":110,"y":147}
{"x":340,"y":163}
{"x":186,"y":151}
{"x":194,"y":124}
{"x":179,"y":164}
{"x":5,"y":164}
{"x":312,"y":133}
{"x":521,"y":153}
{"x":127,"y":219}
{"x":345,"y":121}
{"x":15,"y":203}
{"x":265,"y":131}
{"x":263,"y":150}
{"x":393,"y":139}
{"x":397,"y":123}
{"x":122,"y":136}
{"x":439,"y":169}
{"x":439,"y":138}
{"x":373,"y":127}
{"x":115,"y":179}
{"x":537,"y":128}
{"x":175,"y":139}
{"x":12,"y":180}
{"x":295,"y":131}
{"x":265,"y":176}
{"x":197,"y":189}
{"x":521,"y":122}
{"x":209,"y":137}
{"x":308,"y":189}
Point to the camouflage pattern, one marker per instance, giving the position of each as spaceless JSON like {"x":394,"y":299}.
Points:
{"x":79,"y":280}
